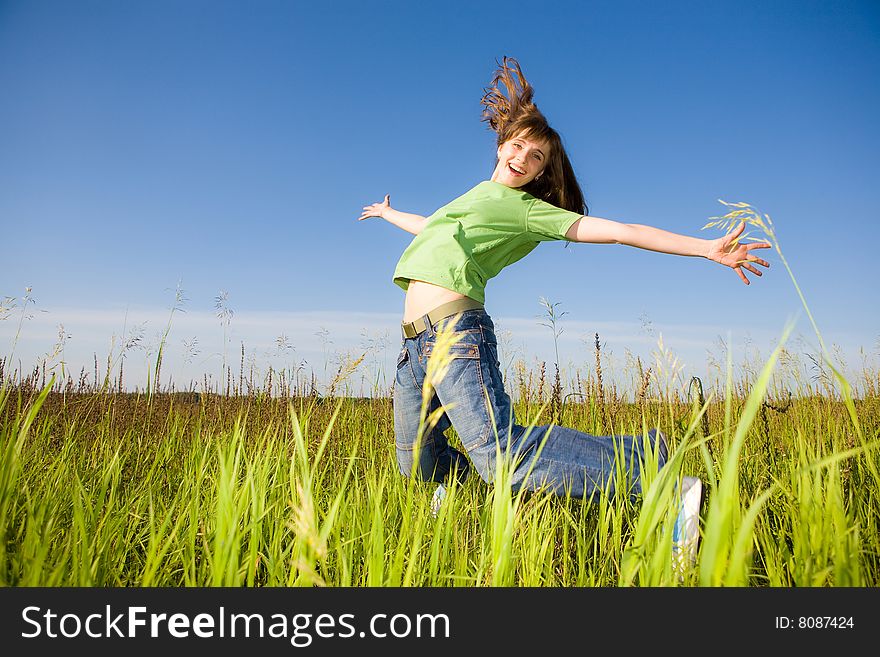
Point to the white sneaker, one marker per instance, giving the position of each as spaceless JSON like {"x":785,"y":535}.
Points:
{"x":437,"y":499}
{"x":686,"y":532}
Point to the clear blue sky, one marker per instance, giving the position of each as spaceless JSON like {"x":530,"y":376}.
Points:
{"x":231,"y":146}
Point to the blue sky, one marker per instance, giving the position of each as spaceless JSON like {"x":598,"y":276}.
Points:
{"x":231,"y":145}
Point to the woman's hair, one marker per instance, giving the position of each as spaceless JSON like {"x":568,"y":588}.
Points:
{"x":512,"y":113}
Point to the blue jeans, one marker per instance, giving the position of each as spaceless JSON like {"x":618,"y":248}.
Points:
{"x":476,"y":405}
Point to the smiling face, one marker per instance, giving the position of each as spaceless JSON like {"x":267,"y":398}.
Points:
{"x":520,"y":161}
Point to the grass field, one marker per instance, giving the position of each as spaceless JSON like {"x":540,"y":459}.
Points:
{"x":103,"y":488}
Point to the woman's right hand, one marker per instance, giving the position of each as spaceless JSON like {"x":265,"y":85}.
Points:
{"x":376,"y":209}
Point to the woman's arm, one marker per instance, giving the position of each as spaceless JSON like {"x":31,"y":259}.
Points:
{"x":595,"y":230}
{"x":412,"y":223}
{"x":724,"y":250}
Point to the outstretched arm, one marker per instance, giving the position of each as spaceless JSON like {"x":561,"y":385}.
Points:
{"x":412,"y":223}
{"x":724,"y":250}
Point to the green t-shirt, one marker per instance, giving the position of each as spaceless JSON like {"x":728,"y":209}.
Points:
{"x":471,"y":239}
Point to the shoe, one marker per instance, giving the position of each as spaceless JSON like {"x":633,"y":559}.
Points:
{"x":437,"y":499}
{"x":686,"y":532}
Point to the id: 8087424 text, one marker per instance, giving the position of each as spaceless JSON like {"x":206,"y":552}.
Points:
{"x":814,"y":623}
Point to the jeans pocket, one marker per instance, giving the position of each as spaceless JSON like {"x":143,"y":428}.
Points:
{"x":404,"y":374}
{"x":456,"y":350}
{"x":467,"y":345}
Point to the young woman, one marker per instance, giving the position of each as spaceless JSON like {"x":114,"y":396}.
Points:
{"x":532,"y":196}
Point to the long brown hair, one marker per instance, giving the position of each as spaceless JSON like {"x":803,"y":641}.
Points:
{"x":512,"y":113}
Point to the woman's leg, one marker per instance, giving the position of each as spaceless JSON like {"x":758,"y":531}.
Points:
{"x":434,"y":458}
{"x":551,"y":457}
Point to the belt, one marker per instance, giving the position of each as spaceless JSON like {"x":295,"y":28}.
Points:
{"x":412,"y":329}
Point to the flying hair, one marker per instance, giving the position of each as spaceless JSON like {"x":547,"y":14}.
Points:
{"x":510,"y":111}
{"x":501,"y":107}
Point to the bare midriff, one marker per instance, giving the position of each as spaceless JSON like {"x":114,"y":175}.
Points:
{"x":422,"y":298}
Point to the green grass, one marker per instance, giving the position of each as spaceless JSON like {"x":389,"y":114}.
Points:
{"x":159,"y":489}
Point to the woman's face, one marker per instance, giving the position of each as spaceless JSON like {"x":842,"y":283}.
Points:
{"x":520,"y":161}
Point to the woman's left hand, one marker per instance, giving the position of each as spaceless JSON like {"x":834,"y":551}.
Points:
{"x":726,"y":251}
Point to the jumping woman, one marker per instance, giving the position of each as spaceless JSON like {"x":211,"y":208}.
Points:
{"x":532,"y":196}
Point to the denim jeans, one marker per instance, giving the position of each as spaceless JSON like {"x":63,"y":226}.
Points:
{"x":477,"y":406}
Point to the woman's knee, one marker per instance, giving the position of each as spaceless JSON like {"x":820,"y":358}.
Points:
{"x":423,"y":459}
{"x":410,"y":466}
